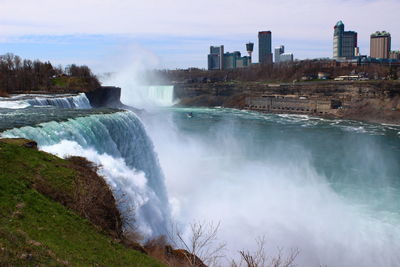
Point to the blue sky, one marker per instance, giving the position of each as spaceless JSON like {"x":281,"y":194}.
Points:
{"x":105,"y":34}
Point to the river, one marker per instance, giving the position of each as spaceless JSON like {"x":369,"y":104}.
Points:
{"x":329,"y":188}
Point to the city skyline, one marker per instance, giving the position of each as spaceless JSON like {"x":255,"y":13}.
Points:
{"x":177,"y":34}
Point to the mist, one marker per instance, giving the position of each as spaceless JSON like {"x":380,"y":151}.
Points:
{"x":137,"y":75}
{"x":328,"y":188}
{"x":257,"y":180}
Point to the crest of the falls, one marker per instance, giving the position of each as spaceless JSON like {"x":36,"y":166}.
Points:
{"x":60,"y":101}
{"x":162,"y":95}
{"x":146,"y":97}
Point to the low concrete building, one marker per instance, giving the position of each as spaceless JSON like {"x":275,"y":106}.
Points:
{"x":282,"y":104}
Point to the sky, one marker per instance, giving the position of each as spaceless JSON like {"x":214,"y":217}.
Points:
{"x":104,"y":34}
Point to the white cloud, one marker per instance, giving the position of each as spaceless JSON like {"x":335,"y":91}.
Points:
{"x":304,"y":27}
{"x":293,"y":18}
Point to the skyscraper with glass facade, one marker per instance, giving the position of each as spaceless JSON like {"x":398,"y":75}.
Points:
{"x":264,"y":47}
{"x":216,"y":58}
{"x":344,"y":42}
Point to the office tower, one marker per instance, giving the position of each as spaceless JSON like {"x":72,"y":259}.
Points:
{"x":216,"y":58}
{"x":344,"y":42}
{"x":286,"y":57}
{"x":264,"y":47}
{"x":230,"y":60}
{"x":278,"y":52}
{"x":380,"y":45}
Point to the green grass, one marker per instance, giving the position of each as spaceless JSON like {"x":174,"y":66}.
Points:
{"x":60,"y":81}
{"x":37,"y":231}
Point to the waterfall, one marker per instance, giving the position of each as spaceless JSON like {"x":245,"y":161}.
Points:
{"x":161,"y":95}
{"x":78,"y":101}
{"x":140,"y":96}
{"x":119,"y":143}
{"x":22,"y":101}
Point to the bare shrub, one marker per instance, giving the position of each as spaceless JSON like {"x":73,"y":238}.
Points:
{"x":259,"y":258}
{"x":201,"y":244}
{"x":93,"y":198}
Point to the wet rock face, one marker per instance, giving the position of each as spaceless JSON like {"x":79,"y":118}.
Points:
{"x":30,"y":144}
{"x":105,"y":96}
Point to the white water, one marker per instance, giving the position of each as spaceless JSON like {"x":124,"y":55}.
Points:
{"x":149,"y":97}
{"x":256,"y":180}
{"x":24,"y":101}
{"x":161,"y":95}
{"x":272,"y":188}
{"x":13,"y":104}
{"x":119,"y":143}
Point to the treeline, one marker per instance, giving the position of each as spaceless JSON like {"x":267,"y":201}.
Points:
{"x":283,"y":72}
{"x":23,"y":75}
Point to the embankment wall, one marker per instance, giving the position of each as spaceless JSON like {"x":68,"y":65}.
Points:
{"x":374,"y":101}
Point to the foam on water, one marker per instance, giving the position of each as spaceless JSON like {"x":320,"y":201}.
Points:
{"x":13,"y":104}
{"x":120,"y":144}
{"x":60,"y":101}
{"x":330,"y":192}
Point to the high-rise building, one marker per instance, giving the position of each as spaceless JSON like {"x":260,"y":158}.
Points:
{"x":286,"y":57}
{"x":395,"y":55}
{"x":344,"y":43}
{"x":230,"y":60}
{"x":380,"y":45}
{"x":278,"y":52}
{"x":235,"y":60}
{"x":216,"y":58}
{"x":264,"y":47}
{"x":281,"y":56}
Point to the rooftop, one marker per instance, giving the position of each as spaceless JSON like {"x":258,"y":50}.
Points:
{"x":339,"y":23}
{"x":380,"y":34}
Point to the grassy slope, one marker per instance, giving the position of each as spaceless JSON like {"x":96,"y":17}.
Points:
{"x":35,"y":230}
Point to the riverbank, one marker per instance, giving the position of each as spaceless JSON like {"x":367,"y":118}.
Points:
{"x":60,"y":212}
{"x":57,"y":212}
{"x":370,"y":101}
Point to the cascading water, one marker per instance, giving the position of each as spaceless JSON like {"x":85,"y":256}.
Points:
{"x":148,"y":97}
{"x":136,"y":92}
{"x":329,"y":188}
{"x":23,"y":101}
{"x":161,"y":95}
{"x":120,"y":144}
{"x":78,"y":101}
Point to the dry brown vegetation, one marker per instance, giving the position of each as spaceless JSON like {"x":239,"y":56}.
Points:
{"x":3,"y":93}
{"x":259,"y":258}
{"x":89,"y":196}
{"x":36,"y":230}
{"x":160,"y":249}
{"x":93,"y":199}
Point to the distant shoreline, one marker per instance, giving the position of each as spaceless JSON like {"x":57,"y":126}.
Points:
{"x":370,"y":101}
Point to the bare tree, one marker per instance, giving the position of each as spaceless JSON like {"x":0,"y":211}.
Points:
{"x":128,"y":219}
{"x":259,"y":258}
{"x":201,"y":243}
